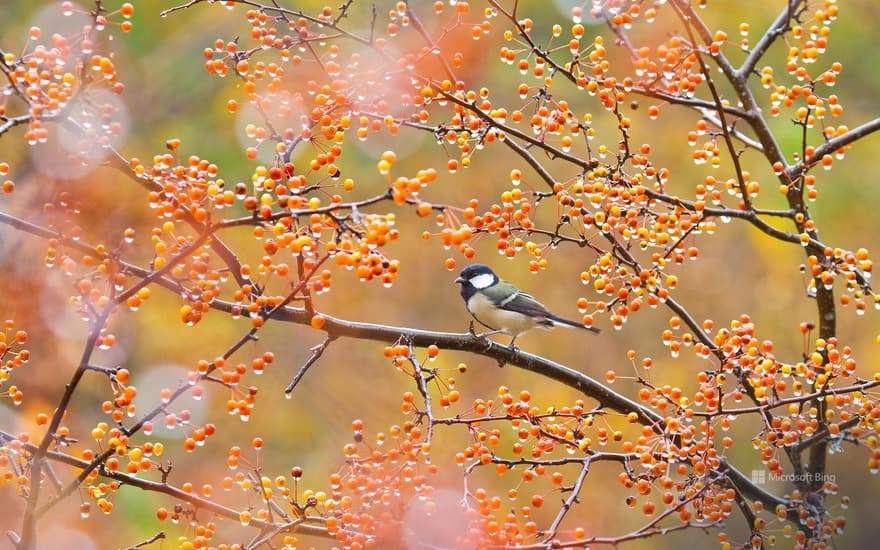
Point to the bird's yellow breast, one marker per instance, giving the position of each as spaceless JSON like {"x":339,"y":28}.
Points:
{"x":510,"y":322}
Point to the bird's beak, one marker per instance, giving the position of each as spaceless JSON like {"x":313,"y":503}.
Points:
{"x":460,"y":280}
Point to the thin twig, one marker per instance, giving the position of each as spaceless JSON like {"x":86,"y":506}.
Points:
{"x":317,"y":352}
{"x":158,"y":536}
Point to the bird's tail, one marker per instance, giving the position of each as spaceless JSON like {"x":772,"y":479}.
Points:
{"x":561,"y":321}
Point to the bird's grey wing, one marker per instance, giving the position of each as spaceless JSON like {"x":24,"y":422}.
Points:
{"x":525,"y":304}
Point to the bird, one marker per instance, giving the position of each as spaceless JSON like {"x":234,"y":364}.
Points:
{"x":502,"y":307}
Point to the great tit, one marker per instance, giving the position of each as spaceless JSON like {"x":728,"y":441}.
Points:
{"x":501,"y":307}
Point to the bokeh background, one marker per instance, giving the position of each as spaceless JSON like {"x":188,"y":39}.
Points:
{"x":169,"y":95}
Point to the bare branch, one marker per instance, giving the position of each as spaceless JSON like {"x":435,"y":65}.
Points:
{"x":317,"y":351}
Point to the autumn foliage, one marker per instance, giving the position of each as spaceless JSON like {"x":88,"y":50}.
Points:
{"x":612,"y":149}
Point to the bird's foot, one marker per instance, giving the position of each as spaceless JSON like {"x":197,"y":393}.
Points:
{"x":484,"y":336}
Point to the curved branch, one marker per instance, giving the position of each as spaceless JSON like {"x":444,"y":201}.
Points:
{"x":776,"y":29}
{"x":739,"y":81}
{"x":795,"y":171}
{"x":479,"y":345}
{"x":158,"y":487}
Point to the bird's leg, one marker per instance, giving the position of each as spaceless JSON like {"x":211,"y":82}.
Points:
{"x":511,"y":347}
{"x":473,"y":331}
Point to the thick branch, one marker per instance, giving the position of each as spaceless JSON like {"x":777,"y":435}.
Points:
{"x":776,"y":29}
{"x":481,"y":346}
{"x":795,"y":171}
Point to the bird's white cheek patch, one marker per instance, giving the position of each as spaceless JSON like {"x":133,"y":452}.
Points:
{"x":482,"y":281}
